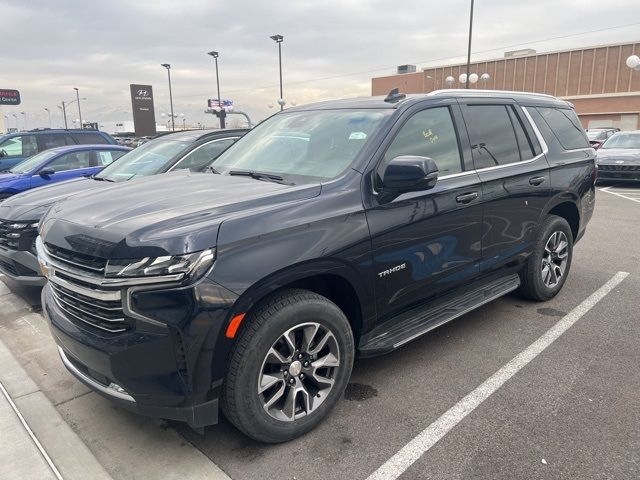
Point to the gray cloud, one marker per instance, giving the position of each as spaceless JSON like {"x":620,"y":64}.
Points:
{"x":101,"y":47}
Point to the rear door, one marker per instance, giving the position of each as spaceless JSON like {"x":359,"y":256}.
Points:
{"x":67,"y":166}
{"x":514,"y":172}
{"x":428,"y":242}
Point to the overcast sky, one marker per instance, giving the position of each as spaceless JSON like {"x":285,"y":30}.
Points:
{"x":331,"y":48}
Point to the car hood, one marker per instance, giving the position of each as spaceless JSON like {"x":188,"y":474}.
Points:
{"x":32,"y":204}
{"x":168,"y":214}
{"x":629,"y":156}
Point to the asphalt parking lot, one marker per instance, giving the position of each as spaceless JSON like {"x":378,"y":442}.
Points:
{"x":570,"y":410}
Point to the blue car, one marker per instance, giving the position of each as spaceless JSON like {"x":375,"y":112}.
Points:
{"x":16,"y":147}
{"x":56,"y":165}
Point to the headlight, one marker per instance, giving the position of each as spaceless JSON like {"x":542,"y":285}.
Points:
{"x":194,"y":265}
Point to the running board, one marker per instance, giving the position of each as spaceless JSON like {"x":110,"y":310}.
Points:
{"x":420,"y":320}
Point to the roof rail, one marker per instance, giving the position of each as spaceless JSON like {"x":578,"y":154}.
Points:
{"x":477,"y":90}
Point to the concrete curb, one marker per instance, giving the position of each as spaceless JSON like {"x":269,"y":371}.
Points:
{"x":67,"y":451}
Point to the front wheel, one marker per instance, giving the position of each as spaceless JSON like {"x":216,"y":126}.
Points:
{"x":289,"y":367}
{"x":548,"y":266}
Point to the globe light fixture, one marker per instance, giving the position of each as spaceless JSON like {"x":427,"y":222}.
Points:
{"x":462,"y":78}
{"x":633,"y":62}
{"x":485,"y":77}
{"x":449,"y":80}
{"x":473,"y":78}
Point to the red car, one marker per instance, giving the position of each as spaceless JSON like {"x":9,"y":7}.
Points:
{"x":597,"y":136}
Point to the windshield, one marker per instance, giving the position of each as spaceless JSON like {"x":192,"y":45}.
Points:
{"x":34,"y":162}
{"x":303,"y":146}
{"x":597,"y":135}
{"x":148,"y":159}
{"x":623,"y":140}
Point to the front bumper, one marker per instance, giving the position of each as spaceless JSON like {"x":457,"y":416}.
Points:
{"x":155,"y":369}
{"x":21,"y":267}
{"x":618,"y":172}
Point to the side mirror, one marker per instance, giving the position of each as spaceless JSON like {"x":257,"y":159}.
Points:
{"x":409,"y":173}
{"x":3,"y":153}
{"x":45,"y":172}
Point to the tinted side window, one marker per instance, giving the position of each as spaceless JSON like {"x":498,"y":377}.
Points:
{"x":106,"y":157}
{"x":71,"y":161}
{"x":89,"y":138}
{"x":22,"y":146}
{"x":524,"y":143}
{"x":565,"y":126}
{"x":429,"y":133}
{"x":204,"y":155}
{"x":52,"y":141}
{"x":493,"y":139}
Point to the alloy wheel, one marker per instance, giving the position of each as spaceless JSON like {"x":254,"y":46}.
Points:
{"x":298,"y":371}
{"x":554,"y":259}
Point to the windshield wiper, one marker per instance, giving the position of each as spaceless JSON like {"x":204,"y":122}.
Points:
{"x":259,"y":176}
{"x":214,"y":170}
{"x":103,"y":179}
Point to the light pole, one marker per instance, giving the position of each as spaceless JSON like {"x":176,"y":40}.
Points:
{"x":469,"y":48}
{"x":16,"y":117}
{"x":62,"y":112}
{"x":48,"y":113}
{"x":6,"y":119}
{"x":221,"y":115}
{"x":78,"y":100}
{"x":184,"y":121}
{"x":168,"y":67}
{"x":278,"y":39}
{"x":24,"y":114}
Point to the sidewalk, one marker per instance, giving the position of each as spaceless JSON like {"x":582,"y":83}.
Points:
{"x":54,"y":451}
{"x":19,"y":456}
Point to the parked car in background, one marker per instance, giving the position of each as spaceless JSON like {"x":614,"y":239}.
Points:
{"x":597,"y":136}
{"x":254,"y":289}
{"x":15,"y":147}
{"x":191,"y":150}
{"x":57,"y":165}
{"x":619,"y":157}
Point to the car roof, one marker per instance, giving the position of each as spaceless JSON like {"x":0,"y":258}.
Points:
{"x":378,"y":102}
{"x":194,"y":135}
{"x":87,"y":146}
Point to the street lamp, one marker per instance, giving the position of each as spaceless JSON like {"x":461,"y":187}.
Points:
{"x":278,"y":39}
{"x":633,"y":62}
{"x":78,"y":100}
{"x":24,"y":114}
{"x":215,"y":56}
{"x":469,"y":49}
{"x":184,"y":121}
{"x":16,"y":117}
{"x":49,"y":113}
{"x":168,"y":67}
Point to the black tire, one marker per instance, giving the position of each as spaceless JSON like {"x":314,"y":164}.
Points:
{"x":532,"y":283}
{"x":264,"y":325}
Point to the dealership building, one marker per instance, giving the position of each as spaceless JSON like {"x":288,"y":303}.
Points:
{"x":604,"y":91}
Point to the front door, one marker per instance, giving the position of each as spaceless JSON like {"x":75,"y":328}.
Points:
{"x":65,"y":167}
{"x":425,"y":243}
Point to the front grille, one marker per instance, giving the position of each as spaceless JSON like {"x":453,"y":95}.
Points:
{"x":75,"y":260}
{"x":619,"y":168}
{"x":104,"y":314}
{"x":13,"y":233}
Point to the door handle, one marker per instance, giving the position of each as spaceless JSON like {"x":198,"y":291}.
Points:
{"x":536,"y":180}
{"x":467,"y":197}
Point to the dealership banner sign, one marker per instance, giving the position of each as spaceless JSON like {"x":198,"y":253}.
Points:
{"x":9,"y":97}
{"x":225,"y":104}
{"x":144,"y":117}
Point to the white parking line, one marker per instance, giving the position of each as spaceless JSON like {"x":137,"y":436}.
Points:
{"x":412,"y":451}
{"x":606,"y":190}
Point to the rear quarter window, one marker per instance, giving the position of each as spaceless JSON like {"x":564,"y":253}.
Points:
{"x":89,"y":138}
{"x":565,"y":125}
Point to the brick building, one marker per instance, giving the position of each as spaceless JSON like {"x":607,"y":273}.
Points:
{"x":596,"y":80}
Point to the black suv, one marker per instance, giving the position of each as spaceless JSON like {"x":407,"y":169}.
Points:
{"x":332,"y":230}
{"x":192,"y":150}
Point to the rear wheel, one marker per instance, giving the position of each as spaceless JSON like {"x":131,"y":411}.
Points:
{"x":289,"y":366}
{"x":548,"y":266}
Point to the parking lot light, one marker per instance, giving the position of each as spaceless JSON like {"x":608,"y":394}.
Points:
{"x":168,"y":67}
{"x":215,"y":56}
{"x":49,"y":113}
{"x":78,"y":100}
{"x":279,"y":39}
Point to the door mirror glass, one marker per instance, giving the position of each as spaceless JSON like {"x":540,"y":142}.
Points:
{"x":408,"y":173}
{"x":45,"y":172}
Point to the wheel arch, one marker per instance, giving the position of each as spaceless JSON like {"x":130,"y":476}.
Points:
{"x":568,"y":209}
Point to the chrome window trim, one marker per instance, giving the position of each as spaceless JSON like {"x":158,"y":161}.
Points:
{"x":198,"y":148}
